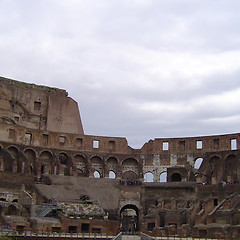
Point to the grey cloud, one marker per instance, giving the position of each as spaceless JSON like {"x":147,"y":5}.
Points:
{"x":139,"y":69}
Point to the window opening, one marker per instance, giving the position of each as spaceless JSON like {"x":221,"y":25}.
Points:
{"x":182,"y":145}
{"x":11,"y":133}
{"x":165,"y":146}
{"x":37,"y":105}
{"x":62,"y":139}
{"x":79,"y":142}
{"x":216,"y":143}
{"x":45,"y":139}
{"x":95,"y":144}
{"x":199,"y":144}
{"x":233,"y":144}
{"x":85,"y":227}
{"x":28,"y":138}
{"x":72,"y":229}
{"x":111,"y":145}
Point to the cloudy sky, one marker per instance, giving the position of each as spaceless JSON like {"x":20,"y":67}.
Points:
{"x":139,"y":69}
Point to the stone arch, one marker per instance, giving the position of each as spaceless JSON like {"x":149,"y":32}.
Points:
{"x":163,"y":177}
{"x":176,"y":177}
{"x":129,"y":175}
{"x":65,"y":162}
{"x":129,"y":218}
{"x":80,"y":163}
{"x":45,"y":162}
{"x":148,"y":177}
{"x":30,"y":164}
{"x":63,"y":158}
{"x":130,"y":165}
{"x":11,"y":160}
{"x":232,"y":169}
{"x":11,"y":210}
{"x":215,"y":172}
{"x":112,"y":165}
{"x":97,"y":165}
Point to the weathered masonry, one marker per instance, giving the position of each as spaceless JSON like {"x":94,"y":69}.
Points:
{"x":55,"y":178}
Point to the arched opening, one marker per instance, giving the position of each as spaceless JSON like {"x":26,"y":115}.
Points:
{"x":129,"y":218}
{"x":81,"y":165}
{"x":163,"y":177}
{"x":30,"y":156}
{"x":129,"y":175}
{"x":231,"y":174}
{"x":215,"y":171}
{"x":46,"y":162}
{"x":130,"y":169}
{"x":198,"y":163}
{"x":176,"y":177}
{"x":112,"y":175}
{"x":11,"y":210}
{"x":11,"y":160}
{"x":148,"y":177}
{"x":112,"y":163}
{"x":97,"y":164}
{"x":96,"y":174}
{"x":63,"y":158}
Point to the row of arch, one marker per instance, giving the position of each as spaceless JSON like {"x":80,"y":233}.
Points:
{"x":27,"y":161}
{"x":218,"y":169}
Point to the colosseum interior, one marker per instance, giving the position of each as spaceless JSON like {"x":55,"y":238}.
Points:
{"x":55,"y":178}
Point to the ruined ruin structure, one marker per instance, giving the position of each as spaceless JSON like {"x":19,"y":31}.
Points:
{"x":55,"y":178}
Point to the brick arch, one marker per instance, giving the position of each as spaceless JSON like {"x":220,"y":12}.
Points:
{"x":176,"y":176}
{"x":11,"y":159}
{"x":113,"y":160}
{"x":134,"y":223}
{"x":231,"y":168}
{"x":63,"y":158}
{"x":130,"y":159}
{"x":64,"y":164}
{"x":129,"y":175}
{"x":45,"y":161}
{"x":130,"y":165}
{"x":215,"y":171}
{"x":112,"y":164}
{"x":81,"y":165}
{"x":97,"y":164}
{"x":30,"y":161}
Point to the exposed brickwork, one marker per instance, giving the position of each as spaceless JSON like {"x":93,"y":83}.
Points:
{"x":48,"y":165}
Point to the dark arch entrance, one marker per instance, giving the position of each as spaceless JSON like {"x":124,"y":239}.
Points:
{"x":176,"y":177}
{"x":129,"y":218}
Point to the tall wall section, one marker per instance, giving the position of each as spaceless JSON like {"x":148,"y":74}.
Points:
{"x":38,"y":107}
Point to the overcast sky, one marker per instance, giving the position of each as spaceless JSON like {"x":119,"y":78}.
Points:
{"x":140,"y":69}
